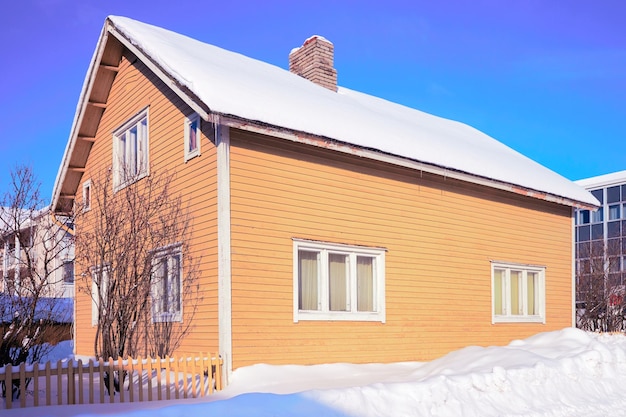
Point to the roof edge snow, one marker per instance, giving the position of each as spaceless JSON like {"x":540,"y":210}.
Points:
{"x":213,"y":96}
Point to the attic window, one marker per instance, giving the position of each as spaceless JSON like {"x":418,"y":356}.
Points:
{"x":192,"y":137}
{"x":87,"y":195}
{"x":130,"y":151}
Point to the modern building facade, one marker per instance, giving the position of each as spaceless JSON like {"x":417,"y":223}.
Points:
{"x":601,"y":241}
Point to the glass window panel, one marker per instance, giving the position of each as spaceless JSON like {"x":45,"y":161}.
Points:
{"x":516,"y":293}
{"x":68,"y":272}
{"x":599,"y":194}
{"x":193,"y":140}
{"x":624,"y":192}
{"x":337,"y":273}
{"x":613,"y":229}
{"x":613,"y":247}
{"x":597,"y":231}
{"x":174,"y":289}
{"x":614,"y":264}
{"x":498,"y":286}
{"x":613,"y":194}
{"x":308,"y":297}
{"x":584,"y":233}
{"x":365,"y":283}
{"x":532,"y":279}
{"x":584,"y":216}
{"x":597,"y":216}
{"x":614,"y":212}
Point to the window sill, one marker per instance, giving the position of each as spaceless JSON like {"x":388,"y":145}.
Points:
{"x":338,"y":316}
{"x":518,"y":319}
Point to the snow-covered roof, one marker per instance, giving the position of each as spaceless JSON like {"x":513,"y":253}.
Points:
{"x":605,"y":180}
{"x":226,"y":83}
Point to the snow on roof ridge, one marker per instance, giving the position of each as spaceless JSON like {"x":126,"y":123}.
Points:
{"x":230,"y":83}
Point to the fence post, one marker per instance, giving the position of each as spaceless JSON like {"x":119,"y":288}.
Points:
{"x":159,"y":376}
{"x":8,"y":386}
{"x":48,"y":383}
{"x":36,"y":384}
{"x":120,"y":377}
{"x":70,"y":382}
{"x":149,"y":372}
{"x":22,"y":389}
{"x":81,"y":399}
{"x":218,"y":372}
{"x":168,"y":376}
{"x":111,"y":380}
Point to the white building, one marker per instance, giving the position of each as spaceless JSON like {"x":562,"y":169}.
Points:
{"x":37,"y":247}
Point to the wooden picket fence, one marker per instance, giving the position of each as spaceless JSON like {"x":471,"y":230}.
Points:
{"x":75,"y":382}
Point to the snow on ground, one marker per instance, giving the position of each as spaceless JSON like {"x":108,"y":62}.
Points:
{"x":562,"y":373}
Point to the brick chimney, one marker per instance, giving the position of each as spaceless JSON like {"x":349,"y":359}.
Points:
{"x":314,"y":61}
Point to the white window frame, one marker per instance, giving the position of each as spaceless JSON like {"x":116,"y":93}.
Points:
{"x":87,"y":195}
{"x":131,"y":158}
{"x":189,"y":121}
{"x":168,"y":252}
{"x":95,"y":295}
{"x":323,"y":312}
{"x":540,"y":293}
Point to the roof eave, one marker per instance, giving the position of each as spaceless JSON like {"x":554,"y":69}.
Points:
{"x":78,"y":116}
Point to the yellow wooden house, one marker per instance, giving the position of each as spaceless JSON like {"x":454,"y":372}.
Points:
{"x":336,"y":226}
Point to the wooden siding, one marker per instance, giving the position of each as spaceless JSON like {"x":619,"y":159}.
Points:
{"x":134,"y":89}
{"x":440,"y":235}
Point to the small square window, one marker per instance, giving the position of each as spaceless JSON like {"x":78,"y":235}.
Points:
{"x":87,"y":195}
{"x":518,"y":293}
{"x":597,"y":216}
{"x":613,"y":229}
{"x":583,"y":234}
{"x":192,"y":136}
{"x":583,"y":217}
{"x":614,"y":212}
{"x":68,"y":272}
{"x":338,"y":282}
{"x":613,"y":194}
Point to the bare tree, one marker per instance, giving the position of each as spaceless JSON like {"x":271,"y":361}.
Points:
{"x":34,"y":245}
{"x":133,"y":252}
{"x":601,"y":301}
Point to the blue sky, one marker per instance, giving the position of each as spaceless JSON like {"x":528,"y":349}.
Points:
{"x":547,"y":78}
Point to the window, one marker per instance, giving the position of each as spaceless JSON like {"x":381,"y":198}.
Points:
{"x":87,"y":195}
{"x":68,"y":272}
{"x":583,"y":217}
{"x":613,"y":194}
{"x":99,"y":290}
{"x":614,"y":212}
{"x":130,"y":151}
{"x":518,"y":293}
{"x":338,"y":282}
{"x":597,"y":216}
{"x":192,"y":137}
{"x":166,"y":284}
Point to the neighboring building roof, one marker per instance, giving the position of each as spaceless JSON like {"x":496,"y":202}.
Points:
{"x":605,"y":180}
{"x":215,"y":81}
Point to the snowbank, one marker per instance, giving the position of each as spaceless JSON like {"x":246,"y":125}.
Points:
{"x":563,"y":373}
